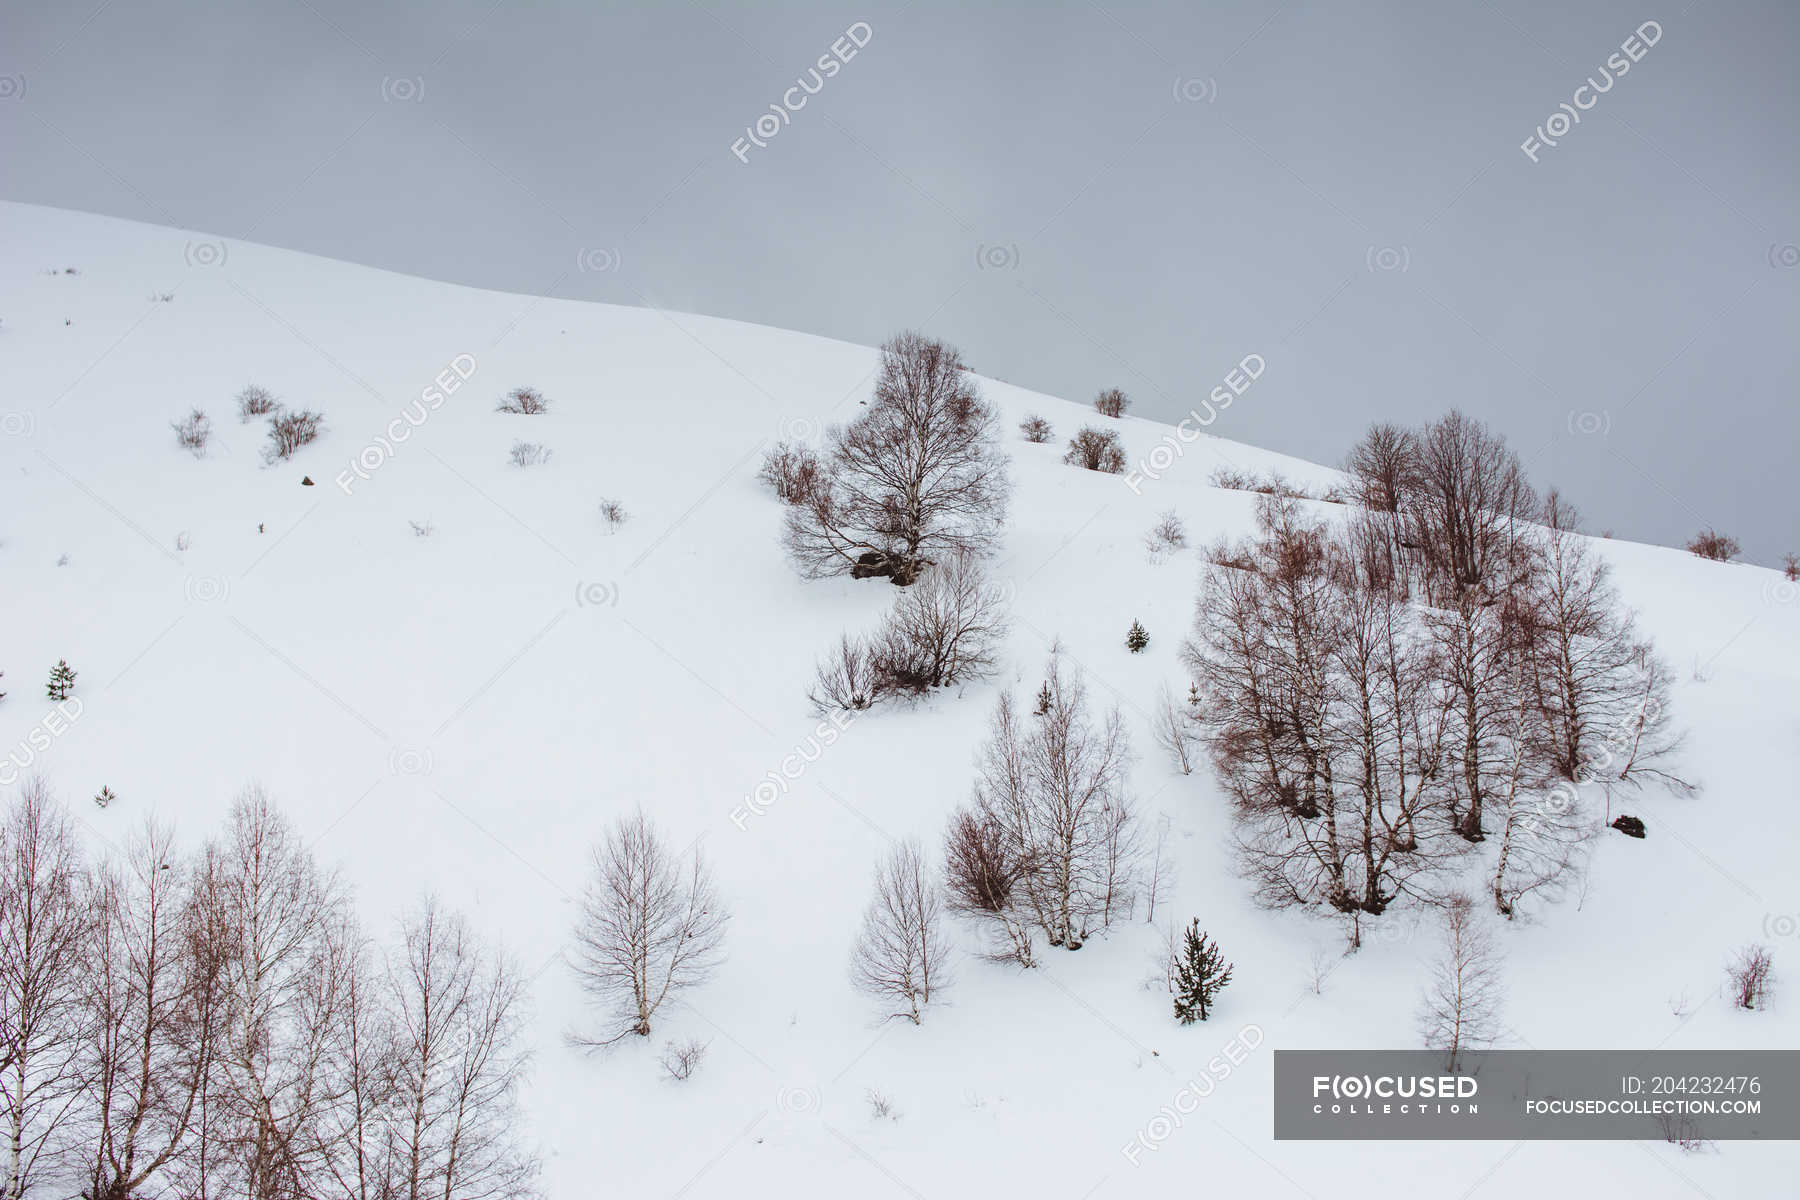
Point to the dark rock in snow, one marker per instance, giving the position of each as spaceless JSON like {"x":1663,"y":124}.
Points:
{"x":1629,"y":826}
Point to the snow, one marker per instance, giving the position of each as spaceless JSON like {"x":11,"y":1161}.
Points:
{"x":464,"y":713}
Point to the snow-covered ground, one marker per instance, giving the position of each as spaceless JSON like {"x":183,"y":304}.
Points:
{"x":465,"y":712}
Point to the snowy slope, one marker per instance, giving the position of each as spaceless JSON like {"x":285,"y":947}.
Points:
{"x":465,"y":712}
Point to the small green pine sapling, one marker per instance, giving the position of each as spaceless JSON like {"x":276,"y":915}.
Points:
{"x":1136,"y":639}
{"x":1200,"y":973}
{"x":105,"y":797}
{"x":62,"y":680}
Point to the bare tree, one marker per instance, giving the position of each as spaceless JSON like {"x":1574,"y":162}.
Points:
{"x":457,"y":1064}
{"x":1096,"y":450}
{"x":1161,"y":872}
{"x":1711,"y":544}
{"x":790,"y":469}
{"x":1111,"y":403}
{"x":1383,"y":467}
{"x":681,"y":1059}
{"x":361,"y":1158}
{"x":1035,"y":429}
{"x":277,"y":924}
{"x":1474,"y":645}
{"x":1173,"y":730}
{"x":901,"y":955}
{"x":945,"y":630}
{"x":1384,"y":473}
{"x":155,"y":1022}
{"x":1054,"y":785}
{"x":1751,"y":974}
{"x":983,"y":874}
{"x":845,"y":679}
{"x":1603,"y":692}
{"x":1469,"y":505}
{"x":46,"y":940}
{"x":1460,"y":1008}
{"x":651,"y":926}
{"x":918,"y":475}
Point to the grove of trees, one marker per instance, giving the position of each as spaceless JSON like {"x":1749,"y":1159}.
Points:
{"x":1447,"y":665}
{"x":217,"y":1024}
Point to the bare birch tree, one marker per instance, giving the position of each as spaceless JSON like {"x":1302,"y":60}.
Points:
{"x":1460,"y":1009}
{"x":1173,"y":730}
{"x":46,"y":938}
{"x":278,"y":924}
{"x":156,"y":1019}
{"x":651,"y":925}
{"x":901,"y":955}
{"x":1053,"y":785}
{"x":457,"y":1064}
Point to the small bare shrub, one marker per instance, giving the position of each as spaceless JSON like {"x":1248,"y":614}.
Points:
{"x":1096,"y":450}
{"x":288,"y":431}
{"x":255,"y":402}
{"x":192,"y":432}
{"x":1232,"y":479}
{"x":1167,"y":536}
{"x":1229,"y":554}
{"x":1679,"y":1129}
{"x":944,"y":630}
{"x":1036,"y":429}
{"x":613,"y":513}
{"x":1111,"y":403}
{"x":525,"y":401}
{"x":881,"y":1106}
{"x":682,"y":1059}
{"x":181,"y":540}
{"x":845,"y":680}
{"x":528,"y":454}
{"x":1716,"y":546}
{"x":791,"y":470}
{"x":423,"y":529}
{"x":1790,"y":566}
{"x":161,"y":297}
{"x":1750,"y":973}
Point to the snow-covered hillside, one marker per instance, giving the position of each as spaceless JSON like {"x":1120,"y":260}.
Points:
{"x":464,"y":712}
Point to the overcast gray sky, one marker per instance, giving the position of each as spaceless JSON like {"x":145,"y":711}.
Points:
{"x":1079,"y":195}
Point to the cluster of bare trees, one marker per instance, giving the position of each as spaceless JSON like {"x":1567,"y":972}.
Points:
{"x":917,"y":476}
{"x":216,"y":1025}
{"x":1049,"y":843}
{"x":1449,"y":665}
